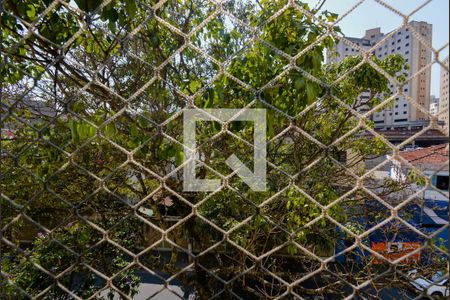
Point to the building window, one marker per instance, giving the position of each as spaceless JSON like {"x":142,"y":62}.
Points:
{"x":399,"y":41}
{"x":407,"y":45}
{"x":346,"y":49}
{"x":405,"y":105}
{"x":399,"y":48}
{"x":442,"y":183}
{"x":407,"y":52}
{"x":405,"y":112}
{"x":401,"y":120}
{"x":396,"y":113}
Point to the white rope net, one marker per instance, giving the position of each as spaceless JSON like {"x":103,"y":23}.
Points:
{"x":92,"y":103}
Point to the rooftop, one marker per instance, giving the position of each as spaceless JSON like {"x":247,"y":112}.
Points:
{"x":434,"y":155}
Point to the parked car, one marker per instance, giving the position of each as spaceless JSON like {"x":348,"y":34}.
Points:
{"x":437,"y":286}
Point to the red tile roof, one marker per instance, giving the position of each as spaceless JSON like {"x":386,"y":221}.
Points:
{"x":434,"y":155}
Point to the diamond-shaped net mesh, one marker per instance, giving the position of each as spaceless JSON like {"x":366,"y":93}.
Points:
{"x":92,"y":201}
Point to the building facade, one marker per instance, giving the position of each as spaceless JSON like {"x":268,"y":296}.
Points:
{"x":434,"y":105}
{"x":416,"y":54}
{"x":443,"y":101}
{"x":432,"y":162}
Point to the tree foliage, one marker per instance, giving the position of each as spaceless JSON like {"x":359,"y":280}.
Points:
{"x":112,"y":75}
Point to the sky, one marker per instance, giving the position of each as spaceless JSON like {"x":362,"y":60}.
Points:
{"x":371,"y":14}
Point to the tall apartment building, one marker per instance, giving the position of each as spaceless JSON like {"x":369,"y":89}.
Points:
{"x":434,"y":105}
{"x":417,"y":55}
{"x":443,"y":102}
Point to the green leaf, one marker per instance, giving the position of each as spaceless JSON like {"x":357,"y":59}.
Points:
{"x":310,"y":93}
{"x":85,"y":131}
{"x":179,"y":158}
{"x":74,"y":131}
{"x":171,"y":151}
{"x":207,"y":103}
{"x":142,"y":122}
{"x":300,"y":84}
{"x":130,"y":7}
{"x":31,"y":11}
{"x":194,"y":85}
{"x":133,"y":130}
{"x":110,"y":130}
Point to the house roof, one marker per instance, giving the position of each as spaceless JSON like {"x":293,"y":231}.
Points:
{"x":434,"y":155}
{"x":36,"y":107}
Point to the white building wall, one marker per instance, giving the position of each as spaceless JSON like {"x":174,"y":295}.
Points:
{"x":444,"y":96}
{"x":416,"y":55}
{"x":434,"y":105}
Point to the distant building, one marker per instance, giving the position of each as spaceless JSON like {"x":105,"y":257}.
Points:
{"x":429,"y":138}
{"x":427,"y":210}
{"x":431,"y":213}
{"x":434,"y":105}
{"x":432,"y":162}
{"x":38,"y":111}
{"x":443,"y":102}
{"x":416,"y":54}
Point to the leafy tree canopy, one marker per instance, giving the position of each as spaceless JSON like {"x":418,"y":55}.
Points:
{"x":94,"y":175}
